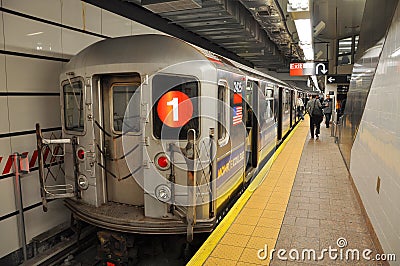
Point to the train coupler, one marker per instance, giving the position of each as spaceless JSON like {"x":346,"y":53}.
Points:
{"x":115,"y":249}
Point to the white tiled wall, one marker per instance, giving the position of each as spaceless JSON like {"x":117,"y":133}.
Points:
{"x":6,"y":190}
{"x":9,"y":231}
{"x":1,"y":31}
{"x":33,"y":37}
{"x":376,"y":150}
{"x":4,"y":125}
{"x":73,"y":42}
{"x":81,"y":16}
{"x":45,"y":9}
{"x":24,"y":115}
{"x":21,"y":39}
{"x":34,"y":77}
{"x":112,"y":25}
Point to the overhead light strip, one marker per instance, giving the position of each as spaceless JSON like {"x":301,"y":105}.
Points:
{"x":300,"y":12}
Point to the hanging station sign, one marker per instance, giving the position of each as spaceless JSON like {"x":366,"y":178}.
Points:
{"x":309,"y":68}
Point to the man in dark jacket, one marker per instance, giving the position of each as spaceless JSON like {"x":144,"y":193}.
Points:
{"x":314,"y":108}
{"x":327,"y":106}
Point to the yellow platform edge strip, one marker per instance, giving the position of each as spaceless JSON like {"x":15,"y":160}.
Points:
{"x":209,"y":245}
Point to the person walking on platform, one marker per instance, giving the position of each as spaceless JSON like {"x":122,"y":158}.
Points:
{"x":314,"y":108}
{"x":327,"y":107}
{"x":306,"y":99}
{"x":300,"y":107}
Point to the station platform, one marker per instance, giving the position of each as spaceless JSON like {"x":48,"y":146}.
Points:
{"x":302,"y":200}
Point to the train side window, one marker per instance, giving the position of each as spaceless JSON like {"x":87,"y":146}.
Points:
{"x":269,"y":97}
{"x":73,"y":106}
{"x":122,"y":94}
{"x":223,"y":114}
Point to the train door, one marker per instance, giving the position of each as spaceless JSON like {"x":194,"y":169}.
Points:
{"x":121,"y":116}
{"x":279,"y":107}
{"x":292,"y":108}
{"x":251,"y":123}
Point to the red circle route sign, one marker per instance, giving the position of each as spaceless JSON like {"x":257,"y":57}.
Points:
{"x":175,"y":109}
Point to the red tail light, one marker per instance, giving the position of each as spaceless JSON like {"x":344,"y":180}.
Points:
{"x":80,"y":153}
{"x":162,"y":161}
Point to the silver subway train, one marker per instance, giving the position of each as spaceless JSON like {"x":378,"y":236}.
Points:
{"x":159,"y":135}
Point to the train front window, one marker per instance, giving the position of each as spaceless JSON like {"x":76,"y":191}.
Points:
{"x":175,"y":106}
{"x":73,"y":106}
{"x":126,"y":111}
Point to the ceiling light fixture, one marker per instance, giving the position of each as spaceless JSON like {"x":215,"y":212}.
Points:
{"x":320,"y":27}
{"x":304,"y":31}
{"x":395,"y":53}
{"x":303,"y":27}
{"x":34,"y":33}
{"x":319,"y":54}
{"x":300,"y":12}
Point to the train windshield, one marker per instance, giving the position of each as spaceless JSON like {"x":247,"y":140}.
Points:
{"x":175,"y":106}
{"x":73,"y":106}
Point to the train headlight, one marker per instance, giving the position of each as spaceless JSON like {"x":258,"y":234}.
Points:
{"x":163,"y":193}
{"x":162,"y":162}
{"x":83,"y":182}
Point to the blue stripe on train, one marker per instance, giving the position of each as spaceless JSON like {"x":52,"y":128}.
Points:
{"x":229,"y":165}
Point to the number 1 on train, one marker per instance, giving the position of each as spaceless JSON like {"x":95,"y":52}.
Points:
{"x":175,"y":111}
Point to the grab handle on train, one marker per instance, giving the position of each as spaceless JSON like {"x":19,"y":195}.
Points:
{"x":191,"y":183}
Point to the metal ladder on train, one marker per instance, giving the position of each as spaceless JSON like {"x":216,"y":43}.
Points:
{"x":56,"y":149}
{"x":194,"y":182}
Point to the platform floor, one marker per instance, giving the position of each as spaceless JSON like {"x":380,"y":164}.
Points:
{"x":305,"y":201}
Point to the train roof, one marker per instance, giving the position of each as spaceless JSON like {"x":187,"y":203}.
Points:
{"x":150,"y":48}
{"x":253,"y":72}
{"x":162,"y":50}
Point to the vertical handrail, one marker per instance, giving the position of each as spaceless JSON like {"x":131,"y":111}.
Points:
{"x":172,"y":176}
{"x":211,"y":181}
{"x":191,"y":183}
{"x":19,"y":203}
{"x":76,"y":166}
{"x":39,"y":144}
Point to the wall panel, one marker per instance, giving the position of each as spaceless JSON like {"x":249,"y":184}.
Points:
{"x":9,"y":232}
{"x":2,"y":73}
{"x":5,"y":151}
{"x":45,"y":9}
{"x":1,"y":31}
{"x":376,"y":149}
{"x":7,"y":205}
{"x":46,"y":39}
{"x":32,"y":75}
{"x":138,"y":28}
{"x":74,"y":42}
{"x":4,"y":125}
{"x":81,"y":16}
{"x":25,"y":112}
{"x":114,"y":25}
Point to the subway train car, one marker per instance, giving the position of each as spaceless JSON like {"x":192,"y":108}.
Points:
{"x":158,"y":135}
